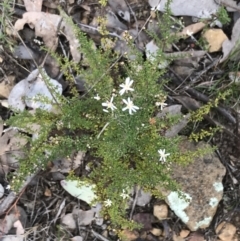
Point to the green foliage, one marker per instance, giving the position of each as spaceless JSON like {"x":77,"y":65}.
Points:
{"x":203,"y":133}
{"x":222,"y":16}
{"x":5,"y":20}
{"x":126,"y":144}
{"x":199,"y":114}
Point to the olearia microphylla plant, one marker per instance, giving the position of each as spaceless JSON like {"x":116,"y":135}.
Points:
{"x":115,"y":122}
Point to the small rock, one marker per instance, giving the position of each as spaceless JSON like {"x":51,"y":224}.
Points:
{"x":196,"y":236}
{"x":105,"y":233}
{"x":183,"y":71}
{"x":69,"y":221}
{"x":215,"y":39}
{"x":128,"y":235}
{"x":160,"y":211}
{"x":145,"y":219}
{"x":156,"y":231}
{"x":184,"y":233}
{"x":177,"y":238}
{"x":6,"y":86}
{"x":226,"y":231}
{"x":47,"y":192}
{"x":143,"y":198}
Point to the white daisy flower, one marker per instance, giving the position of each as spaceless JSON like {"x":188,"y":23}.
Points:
{"x":108,"y":203}
{"x":163,"y":155}
{"x":130,"y":106}
{"x":126,"y":86}
{"x":109,"y":105}
{"x":97,"y":97}
{"x":161,"y":104}
{"x":124,"y":195}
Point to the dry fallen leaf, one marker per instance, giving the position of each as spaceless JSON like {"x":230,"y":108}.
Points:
{"x":68,"y":221}
{"x":80,"y":189}
{"x":121,"y":8}
{"x":1,"y":190}
{"x":47,"y":26}
{"x":7,"y":141}
{"x":19,"y":227}
{"x":24,"y":52}
{"x":188,"y":7}
{"x":83,"y":217}
{"x":10,"y":161}
{"x":6,"y":86}
{"x":33,"y":5}
{"x":27,"y":91}
{"x":112,"y":21}
{"x":7,"y":222}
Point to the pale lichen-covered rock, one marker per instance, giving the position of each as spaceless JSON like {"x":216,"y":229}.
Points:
{"x":201,"y":184}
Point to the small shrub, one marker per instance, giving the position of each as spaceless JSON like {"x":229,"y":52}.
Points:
{"x":115,"y":121}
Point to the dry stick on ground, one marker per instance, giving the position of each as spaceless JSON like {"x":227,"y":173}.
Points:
{"x":135,"y":201}
{"x":133,"y":13}
{"x":205,"y":70}
{"x":199,"y":96}
{"x":94,"y":30}
{"x":224,"y":162}
{"x":4,"y":206}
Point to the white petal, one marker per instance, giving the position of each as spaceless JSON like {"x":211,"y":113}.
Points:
{"x":127,"y":80}
{"x":126,"y":102}
{"x":122,"y":91}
